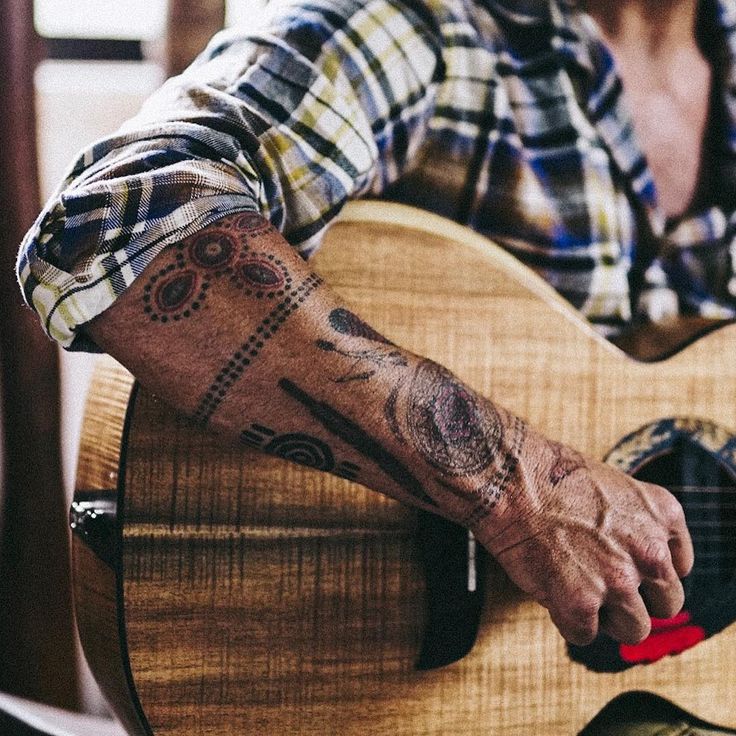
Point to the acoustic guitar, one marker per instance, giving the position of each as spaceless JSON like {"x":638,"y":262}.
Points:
{"x":222,"y":591}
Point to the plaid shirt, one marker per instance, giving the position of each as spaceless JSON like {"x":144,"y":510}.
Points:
{"x":506,"y":115}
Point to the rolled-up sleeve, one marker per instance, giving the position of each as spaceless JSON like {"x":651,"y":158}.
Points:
{"x":327,"y":101}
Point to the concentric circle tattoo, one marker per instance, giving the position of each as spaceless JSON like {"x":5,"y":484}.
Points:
{"x":446,"y":425}
{"x":302,"y":449}
{"x":214,"y":249}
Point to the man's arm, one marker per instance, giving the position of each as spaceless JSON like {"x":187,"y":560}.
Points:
{"x":232,"y":327}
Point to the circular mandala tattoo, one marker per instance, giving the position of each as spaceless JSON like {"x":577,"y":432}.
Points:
{"x":445,"y":423}
{"x":213,"y":250}
{"x":302,"y":449}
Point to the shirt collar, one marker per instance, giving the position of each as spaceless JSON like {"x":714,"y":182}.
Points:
{"x":569,"y":34}
{"x":572,"y":34}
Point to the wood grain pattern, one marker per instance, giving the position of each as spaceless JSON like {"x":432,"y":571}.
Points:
{"x":264,"y":597}
{"x":96,"y":585}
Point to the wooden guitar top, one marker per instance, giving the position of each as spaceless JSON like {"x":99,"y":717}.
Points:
{"x":227,"y":593}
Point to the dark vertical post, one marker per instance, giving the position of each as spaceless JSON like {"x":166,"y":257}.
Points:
{"x":190,"y":25}
{"x":37,"y":654}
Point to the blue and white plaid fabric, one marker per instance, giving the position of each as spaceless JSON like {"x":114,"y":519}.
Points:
{"x":507,"y":115}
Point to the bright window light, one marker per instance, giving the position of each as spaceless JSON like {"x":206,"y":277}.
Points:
{"x":122,"y":19}
{"x":241,"y":12}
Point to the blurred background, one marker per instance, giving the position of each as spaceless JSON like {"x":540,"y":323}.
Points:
{"x":71,"y":71}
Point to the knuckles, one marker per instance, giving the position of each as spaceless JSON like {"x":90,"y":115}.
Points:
{"x":671,"y":514}
{"x":624,"y":582}
{"x":654,"y":559}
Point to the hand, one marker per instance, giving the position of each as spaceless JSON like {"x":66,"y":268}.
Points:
{"x":599,"y":549}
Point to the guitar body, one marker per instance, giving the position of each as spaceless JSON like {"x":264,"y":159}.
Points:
{"x":223,"y":592}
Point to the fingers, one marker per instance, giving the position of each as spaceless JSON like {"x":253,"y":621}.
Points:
{"x":627,"y":620}
{"x":647,"y":586}
{"x":672,"y":518}
{"x":663,"y":599}
{"x":681,"y":544}
{"x":577,"y":622}
{"x":660,"y":587}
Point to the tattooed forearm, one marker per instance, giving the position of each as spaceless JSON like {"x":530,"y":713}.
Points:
{"x":355,"y":436}
{"x":218,"y":307}
{"x":298,"y":448}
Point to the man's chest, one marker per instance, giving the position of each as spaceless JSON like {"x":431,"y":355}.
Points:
{"x":669,"y":107}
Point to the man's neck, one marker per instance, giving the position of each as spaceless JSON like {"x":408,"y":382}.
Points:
{"x":653,"y":27}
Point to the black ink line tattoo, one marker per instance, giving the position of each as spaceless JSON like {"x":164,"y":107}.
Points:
{"x":298,"y":448}
{"x":371,"y":356}
{"x":389,"y":412}
{"x":355,"y":436}
{"x":245,"y":354}
{"x":346,"y":323}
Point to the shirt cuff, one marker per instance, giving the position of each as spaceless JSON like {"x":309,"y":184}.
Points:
{"x":96,"y":236}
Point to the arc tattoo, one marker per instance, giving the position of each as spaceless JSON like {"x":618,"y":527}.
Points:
{"x":299,"y":448}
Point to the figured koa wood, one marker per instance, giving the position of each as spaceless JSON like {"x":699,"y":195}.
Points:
{"x":261,"y":597}
{"x":97,"y":584}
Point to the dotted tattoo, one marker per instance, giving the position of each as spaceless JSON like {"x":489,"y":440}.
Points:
{"x":248,"y":350}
